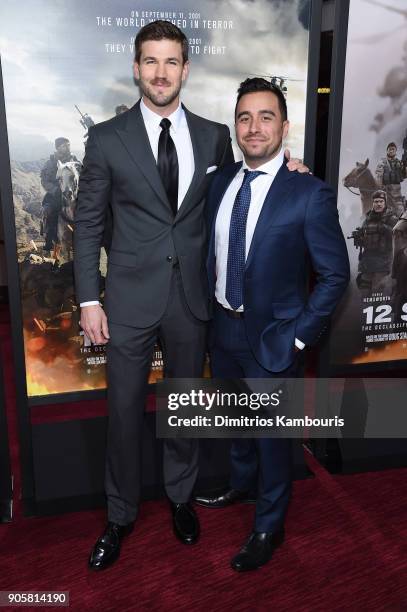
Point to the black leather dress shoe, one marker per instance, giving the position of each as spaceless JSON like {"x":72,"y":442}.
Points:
{"x":185,"y":523}
{"x":107,"y":547}
{"x":257,"y":551}
{"x":228,"y":497}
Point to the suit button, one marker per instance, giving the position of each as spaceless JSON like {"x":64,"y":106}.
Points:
{"x":169,"y":258}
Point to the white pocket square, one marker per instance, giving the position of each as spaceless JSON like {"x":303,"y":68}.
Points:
{"x":211,"y":169}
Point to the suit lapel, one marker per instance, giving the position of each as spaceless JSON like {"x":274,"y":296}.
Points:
{"x":135,"y":139}
{"x":275,"y":199}
{"x":223,"y":181}
{"x":201,"y":145}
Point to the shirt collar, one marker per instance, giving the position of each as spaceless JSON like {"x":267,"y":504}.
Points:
{"x":154,"y":120}
{"x":270,"y":167}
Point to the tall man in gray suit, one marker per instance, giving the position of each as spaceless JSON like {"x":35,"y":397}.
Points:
{"x":153,"y":164}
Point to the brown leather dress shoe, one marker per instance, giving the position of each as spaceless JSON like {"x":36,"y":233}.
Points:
{"x":107,"y":548}
{"x":257,"y":551}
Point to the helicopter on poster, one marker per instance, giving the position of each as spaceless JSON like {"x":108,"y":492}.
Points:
{"x":278,"y":81}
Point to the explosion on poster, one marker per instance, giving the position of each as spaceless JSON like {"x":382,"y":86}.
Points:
{"x":78,"y":76}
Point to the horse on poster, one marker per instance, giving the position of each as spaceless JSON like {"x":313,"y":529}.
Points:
{"x":68,"y":176}
{"x":360,"y":177}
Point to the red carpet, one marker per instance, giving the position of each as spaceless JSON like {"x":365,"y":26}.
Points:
{"x":345,"y":550}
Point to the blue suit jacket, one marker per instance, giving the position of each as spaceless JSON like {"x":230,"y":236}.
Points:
{"x":299,"y":218}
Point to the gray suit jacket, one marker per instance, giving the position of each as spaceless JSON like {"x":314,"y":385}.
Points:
{"x":119,"y":168}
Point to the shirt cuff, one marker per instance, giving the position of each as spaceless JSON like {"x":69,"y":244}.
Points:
{"x":300,"y":345}
{"x":91,"y":303}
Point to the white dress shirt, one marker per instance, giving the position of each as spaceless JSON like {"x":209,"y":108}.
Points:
{"x":259,"y":189}
{"x":182,"y":140}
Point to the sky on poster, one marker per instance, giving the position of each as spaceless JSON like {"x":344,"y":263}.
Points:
{"x":376,"y":64}
{"x":54,"y":56}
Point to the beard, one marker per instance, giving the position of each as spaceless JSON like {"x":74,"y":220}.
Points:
{"x":265,"y":152}
{"x":162,"y":99}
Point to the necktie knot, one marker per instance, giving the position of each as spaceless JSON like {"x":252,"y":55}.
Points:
{"x":250,"y":175}
{"x":165,"y":124}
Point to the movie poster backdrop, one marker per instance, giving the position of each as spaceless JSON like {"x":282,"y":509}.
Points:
{"x":68,"y":65}
{"x":372,"y":326}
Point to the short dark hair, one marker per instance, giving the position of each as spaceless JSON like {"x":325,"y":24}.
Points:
{"x":379,"y":194}
{"x":60,"y":141}
{"x":259,"y":84}
{"x":122,"y":108}
{"x":391,"y":144}
{"x":158,"y":30}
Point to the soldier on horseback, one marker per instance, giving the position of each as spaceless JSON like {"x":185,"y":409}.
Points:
{"x":52,"y":202}
{"x":390,"y":173}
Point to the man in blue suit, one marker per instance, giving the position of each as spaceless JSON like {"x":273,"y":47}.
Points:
{"x":265,"y":223}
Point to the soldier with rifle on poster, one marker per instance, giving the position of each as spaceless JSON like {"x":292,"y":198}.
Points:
{"x":374,"y":239}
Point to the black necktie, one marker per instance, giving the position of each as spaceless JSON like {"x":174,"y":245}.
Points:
{"x":167,"y":163}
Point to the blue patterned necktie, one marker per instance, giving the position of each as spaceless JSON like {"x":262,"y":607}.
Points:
{"x":237,"y":241}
